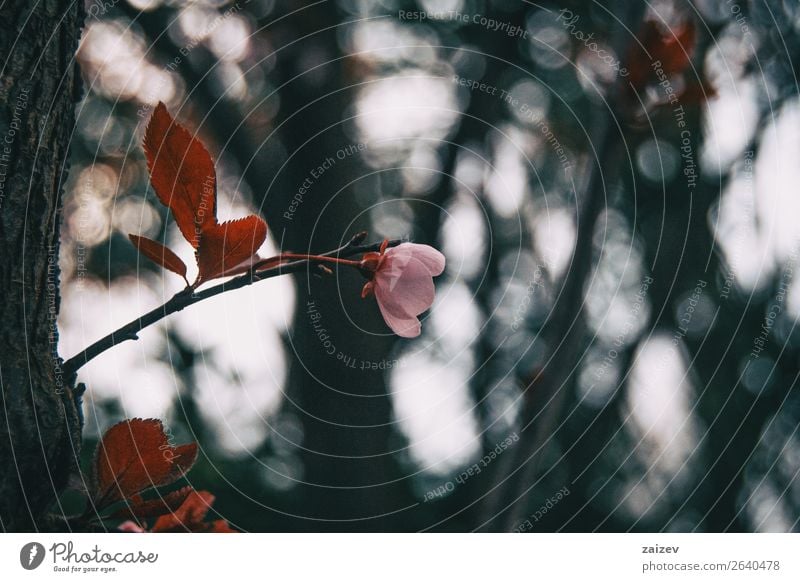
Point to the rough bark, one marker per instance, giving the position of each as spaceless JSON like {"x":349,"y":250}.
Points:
{"x":39,"y":424}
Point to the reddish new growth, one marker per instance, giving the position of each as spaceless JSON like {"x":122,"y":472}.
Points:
{"x":183,"y":177}
{"x":662,"y":58}
{"x":134,"y":457}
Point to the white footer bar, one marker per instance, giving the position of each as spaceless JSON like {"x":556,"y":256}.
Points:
{"x":400,"y":557}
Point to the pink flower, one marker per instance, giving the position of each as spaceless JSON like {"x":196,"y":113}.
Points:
{"x":402,"y":279}
{"x":130,"y":527}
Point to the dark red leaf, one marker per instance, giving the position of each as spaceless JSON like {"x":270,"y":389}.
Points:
{"x":671,"y":49}
{"x":675,"y":47}
{"x":134,"y":456}
{"x":182,"y":174}
{"x":190,"y":515}
{"x":224,"y":247}
{"x":159,"y":254}
{"x":139,"y":509}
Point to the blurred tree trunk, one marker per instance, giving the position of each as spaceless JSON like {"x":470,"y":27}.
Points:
{"x":39,"y":427}
{"x":345,"y":411}
{"x":350,"y":480}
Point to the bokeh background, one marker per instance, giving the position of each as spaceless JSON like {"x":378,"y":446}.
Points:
{"x":681,"y":410}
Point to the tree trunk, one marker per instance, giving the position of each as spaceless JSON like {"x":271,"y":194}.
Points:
{"x":336,"y":385}
{"x":39,"y":424}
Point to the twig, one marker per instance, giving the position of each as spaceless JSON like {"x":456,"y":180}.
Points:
{"x":189,"y":296}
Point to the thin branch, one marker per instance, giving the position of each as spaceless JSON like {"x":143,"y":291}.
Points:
{"x":188,"y":296}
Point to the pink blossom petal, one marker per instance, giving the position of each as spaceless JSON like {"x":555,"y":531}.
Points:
{"x":399,"y":321}
{"x":403,"y":285}
{"x":432,"y":259}
{"x":130,"y":527}
{"x":411,"y":287}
